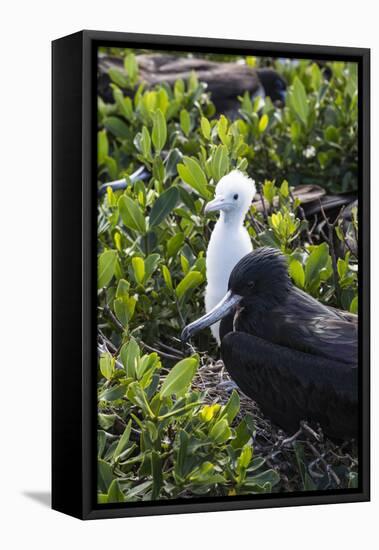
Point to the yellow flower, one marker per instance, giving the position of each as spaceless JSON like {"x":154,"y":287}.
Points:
{"x":208,"y":412}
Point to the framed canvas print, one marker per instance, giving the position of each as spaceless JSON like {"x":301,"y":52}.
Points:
{"x":210,"y":274}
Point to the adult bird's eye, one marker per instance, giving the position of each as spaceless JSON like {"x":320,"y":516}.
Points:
{"x":235,"y":197}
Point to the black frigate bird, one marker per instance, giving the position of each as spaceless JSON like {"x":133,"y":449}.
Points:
{"x":297,"y":358}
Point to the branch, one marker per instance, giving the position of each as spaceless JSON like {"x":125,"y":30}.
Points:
{"x":331,"y":228}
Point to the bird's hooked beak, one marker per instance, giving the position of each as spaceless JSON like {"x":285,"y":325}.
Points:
{"x":223,"y":308}
{"x":218,"y":203}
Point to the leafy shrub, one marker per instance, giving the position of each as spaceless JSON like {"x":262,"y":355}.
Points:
{"x":314,"y":139}
{"x":156,"y":442}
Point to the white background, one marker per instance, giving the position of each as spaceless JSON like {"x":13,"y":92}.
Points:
{"x":27,"y":27}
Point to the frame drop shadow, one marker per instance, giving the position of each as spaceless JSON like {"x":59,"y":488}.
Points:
{"x":41,"y":497}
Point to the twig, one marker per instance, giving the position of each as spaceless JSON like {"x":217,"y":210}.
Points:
{"x":180,"y":313}
{"x":308,"y":429}
{"x":254,"y":223}
{"x":302,"y":214}
{"x":265,"y":215}
{"x":328,"y":467}
{"x":314,"y":224}
{"x":162,"y":353}
{"x":106,"y":341}
{"x":292,"y":438}
{"x":169,"y":348}
{"x":331,"y":228}
{"x":113,"y":318}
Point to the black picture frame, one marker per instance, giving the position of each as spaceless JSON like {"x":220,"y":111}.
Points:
{"x":74,"y":272}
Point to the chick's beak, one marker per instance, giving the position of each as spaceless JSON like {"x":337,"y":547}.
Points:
{"x":217,"y":204}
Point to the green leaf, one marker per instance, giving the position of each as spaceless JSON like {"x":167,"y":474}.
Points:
{"x":173,"y":158}
{"x":181,"y":462}
{"x":104,"y":475}
{"x":220,"y":162}
{"x":106,"y":267}
{"x":139,"y":269}
{"x":269,"y":476}
{"x":101,"y":440}
{"x":138,"y":489}
{"x":295,"y":130}
{"x":185,"y":265}
{"x":131,"y":214}
{"x":222,"y":130}
{"x":297,"y":274}
{"x":118,"y":78}
{"x":151,"y":263}
{"x":243,"y":435}
{"x":131,"y":67}
{"x":245,"y":457}
{"x":232,"y":407}
{"x":115,"y":493}
{"x":137,"y":396}
{"x":156,"y":470}
{"x":159,"y":133}
{"x":146,"y":143}
{"x":246,"y":104}
{"x":124,"y":308}
{"x":167,"y":277}
{"x":205,"y":128}
{"x":316,"y":77}
{"x":113,"y":393}
{"x":191,"y":280}
{"x":284,"y":190}
{"x":179,"y":89}
{"x":124,"y":104}
{"x":129,"y":356}
{"x":256,"y":463}
{"x":102,"y":146}
{"x":331,"y":134}
{"x":308,"y":483}
{"x":112,"y":168}
{"x":298,"y":100}
{"x":106,"y":420}
{"x":354,"y":305}
{"x":117,"y":127}
{"x":185,"y":121}
{"x":220,"y":432}
{"x":316,"y":261}
{"x":174,"y":244}
{"x":123,"y":441}
{"x":106,"y":365}
{"x":159,"y":171}
{"x":263,"y":122}
{"x":163,"y":101}
{"x":193,"y":82}
{"x":353,"y":480}
{"x":269,"y":191}
{"x":165,"y":203}
{"x":122,"y":288}
{"x":192,"y":174}
{"x":180,"y":377}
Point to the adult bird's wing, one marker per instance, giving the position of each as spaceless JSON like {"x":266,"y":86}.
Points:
{"x":291,"y":385}
{"x":307,"y":325}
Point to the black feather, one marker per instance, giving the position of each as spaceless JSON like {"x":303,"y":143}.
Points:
{"x":291,"y":386}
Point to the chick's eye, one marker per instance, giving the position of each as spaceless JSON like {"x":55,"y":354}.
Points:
{"x":235,"y":197}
